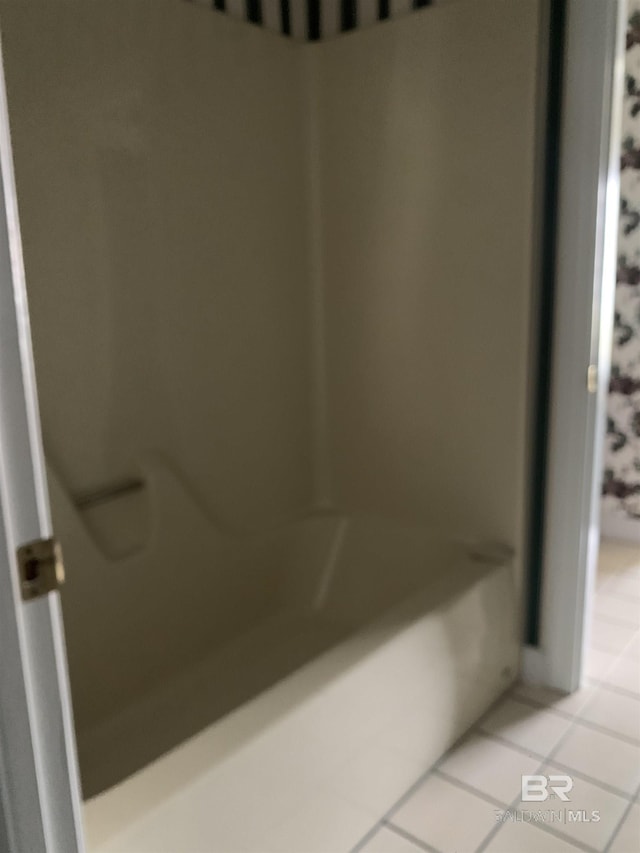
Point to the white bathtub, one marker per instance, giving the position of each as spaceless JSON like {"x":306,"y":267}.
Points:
{"x":312,"y":762}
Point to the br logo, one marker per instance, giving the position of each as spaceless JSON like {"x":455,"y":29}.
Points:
{"x":537,"y":789}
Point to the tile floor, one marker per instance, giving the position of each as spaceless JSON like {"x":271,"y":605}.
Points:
{"x":469,"y":802}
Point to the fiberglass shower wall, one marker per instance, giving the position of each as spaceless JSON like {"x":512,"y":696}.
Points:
{"x":426,"y":152}
{"x":162,"y":192}
{"x":288,"y":286}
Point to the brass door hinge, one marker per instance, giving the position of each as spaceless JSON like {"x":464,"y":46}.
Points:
{"x":41,"y":567}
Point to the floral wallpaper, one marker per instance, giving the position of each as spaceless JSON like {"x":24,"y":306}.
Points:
{"x":621,"y":484}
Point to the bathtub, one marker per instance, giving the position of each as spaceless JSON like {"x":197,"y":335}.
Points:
{"x":261,"y":669}
{"x":387,"y":657}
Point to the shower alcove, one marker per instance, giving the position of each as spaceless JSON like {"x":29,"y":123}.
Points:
{"x":280,"y":301}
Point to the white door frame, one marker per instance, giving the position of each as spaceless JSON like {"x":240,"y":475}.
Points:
{"x":583,"y":323}
{"x":39,"y":784}
{"x":39,"y":787}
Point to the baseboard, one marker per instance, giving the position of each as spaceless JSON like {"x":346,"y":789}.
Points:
{"x":534,"y":667}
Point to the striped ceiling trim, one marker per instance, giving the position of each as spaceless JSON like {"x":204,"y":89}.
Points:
{"x":312,"y":20}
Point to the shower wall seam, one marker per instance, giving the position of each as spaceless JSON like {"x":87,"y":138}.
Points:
{"x":321,"y":472}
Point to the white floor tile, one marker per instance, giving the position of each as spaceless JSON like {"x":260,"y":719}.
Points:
{"x":554,"y":700}
{"x":602,"y":581}
{"x":614,"y":711}
{"x":624,"y":585}
{"x":625,"y":673}
{"x":599,"y":663}
{"x":446,"y":817}
{"x":602,"y":757}
{"x":616,"y":607}
{"x":612,"y":637}
{"x":324,"y":824}
{"x":526,"y":838}
{"x":627,"y":839}
{"x":633,"y":649}
{"x":387,"y":841}
{"x":633,"y":571}
{"x":591,"y":814}
{"x":489,"y":766}
{"x":531,"y":728}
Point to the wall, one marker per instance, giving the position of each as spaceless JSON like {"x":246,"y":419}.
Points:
{"x":621,"y":486}
{"x":315,"y":260}
{"x":427,"y":156}
{"x":299,"y":274}
{"x":162,"y":196}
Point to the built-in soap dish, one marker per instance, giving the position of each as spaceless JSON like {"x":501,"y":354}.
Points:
{"x":116,"y":515}
{"x":492,"y":553}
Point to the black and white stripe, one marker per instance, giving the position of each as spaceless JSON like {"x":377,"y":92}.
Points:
{"x":312,"y":20}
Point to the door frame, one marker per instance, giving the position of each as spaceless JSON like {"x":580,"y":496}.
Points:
{"x":584,"y":295}
{"x":40,"y":801}
{"x":39,"y":783}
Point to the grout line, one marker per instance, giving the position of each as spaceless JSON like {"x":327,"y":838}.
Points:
{"x":555,"y":749}
{"x":578,"y":715}
{"x":610,"y":651}
{"x":542,"y":706}
{"x":545,"y":827}
{"x":634,"y":595}
{"x":605,"y":685}
{"x":612,"y":623}
{"x":396,"y":805}
{"x":366,"y":838}
{"x":623,"y":596}
{"x":434,"y":769}
{"x":470,"y":789}
{"x":423,"y":845}
{"x":618,"y":792}
{"x":574,"y":718}
{"x":625,"y":647}
{"x":514,"y":804}
{"x":407,"y":794}
{"x":615,"y":689}
{"x":494,"y":705}
{"x":623,"y":623}
{"x":424,"y":776}
{"x":523,"y":749}
{"x":605,"y":786}
{"x":579,"y":774}
{"x":498,"y":825}
{"x":615,"y":660}
{"x":618,"y":826}
{"x":611,"y":620}
{"x":597,"y":727}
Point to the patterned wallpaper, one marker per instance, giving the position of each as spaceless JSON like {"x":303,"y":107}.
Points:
{"x":621,"y":485}
{"x":312,"y":20}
